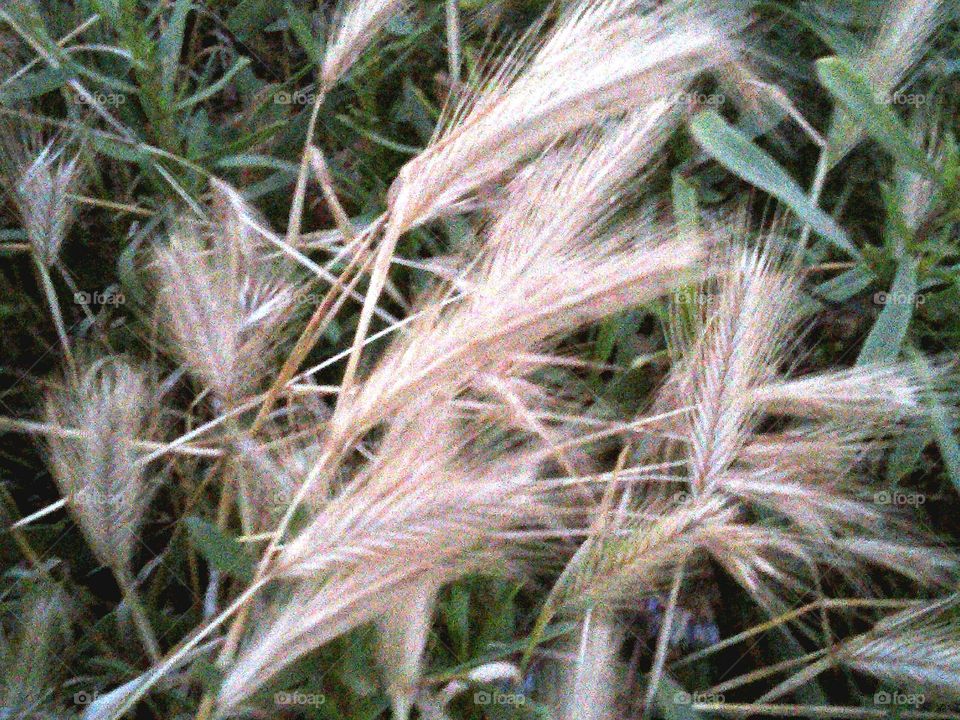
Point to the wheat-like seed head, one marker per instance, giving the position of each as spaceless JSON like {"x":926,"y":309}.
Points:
{"x":41,"y":630}
{"x":886,"y":393}
{"x":357,"y":22}
{"x":745,"y":328}
{"x":602,"y":59}
{"x":900,"y":42}
{"x":224,"y":297}
{"x":99,"y":472}
{"x":40,"y":179}
{"x":547,"y":264}
{"x":418,"y":516}
{"x":799,"y":478}
{"x":917,"y":647}
{"x":640,"y":553}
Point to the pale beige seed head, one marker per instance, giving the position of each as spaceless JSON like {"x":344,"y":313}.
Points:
{"x":548,"y":262}
{"x":224,"y":296}
{"x":602,"y":59}
{"x":41,"y":179}
{"x":918,"y":648}
{"x":29,"y":650}
{"x":108,"y":408}
{"x":418,"y":516}
{"x":901,"y":40}
{"x":355,"y":27}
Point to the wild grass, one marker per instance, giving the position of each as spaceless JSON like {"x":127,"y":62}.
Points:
{"x":479,"y":360}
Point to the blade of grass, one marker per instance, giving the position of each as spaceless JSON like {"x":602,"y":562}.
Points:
{"x":739,"y":155}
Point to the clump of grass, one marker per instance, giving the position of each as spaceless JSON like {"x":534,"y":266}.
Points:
{"x":600,"y":410}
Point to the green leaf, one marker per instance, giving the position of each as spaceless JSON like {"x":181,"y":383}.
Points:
{"x":251,"y":16}
{"x":456,"y":614}
{"x":171,"y":43}
{"x":941,"y":420}
{"x":840,"y":40}
{"x":212,"y":90}
{"x":254,"y":160}
{"x":905,"y":456}
{"x":220,"y":550}
{"x":886,"y":338}
{"x":854,"y":93}
{"x":300,"y":26}
{"x":846,"y":285}
{"x":33,"y":85}
{"x":737,"y":154}
{"x":119,"y":150}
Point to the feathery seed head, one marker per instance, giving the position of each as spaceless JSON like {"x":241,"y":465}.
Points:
{"x":601,"y":60}
{"x":798,"y":477}
{"x":904,"y":29}
{"x":356,"y":24}
{"x":918,"y":647}
{"x":41,"y":630}
{"x":41,"y":179}
{"x":96,"y":464}
{"x":224,"y":296}
{"x":419,"y":515}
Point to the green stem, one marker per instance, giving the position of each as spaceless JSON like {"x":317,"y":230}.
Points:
{"x":51,"y":295}
{"x":139,"y":615}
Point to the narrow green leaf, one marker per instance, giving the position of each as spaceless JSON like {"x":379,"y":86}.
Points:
{"x":254,"y":160}
{"x":300,"y":27}
{"x":685,"y":207}
{"x":456,"y":613}
{"x":846,"y":285}
{"x":840,"y":40}
{"x":219,"y":549}
{"x":212,"y":90}
{"x":118,"y":150}
{"x":249,"y":17}
{"x":886,"y":338}
{"x":735,"y":152}
{"x":854,"y":93}
{"x":941,"y":419}
{"x":905,"y":456}
{"x":171,"y":43}
{"x":33,"y":85}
